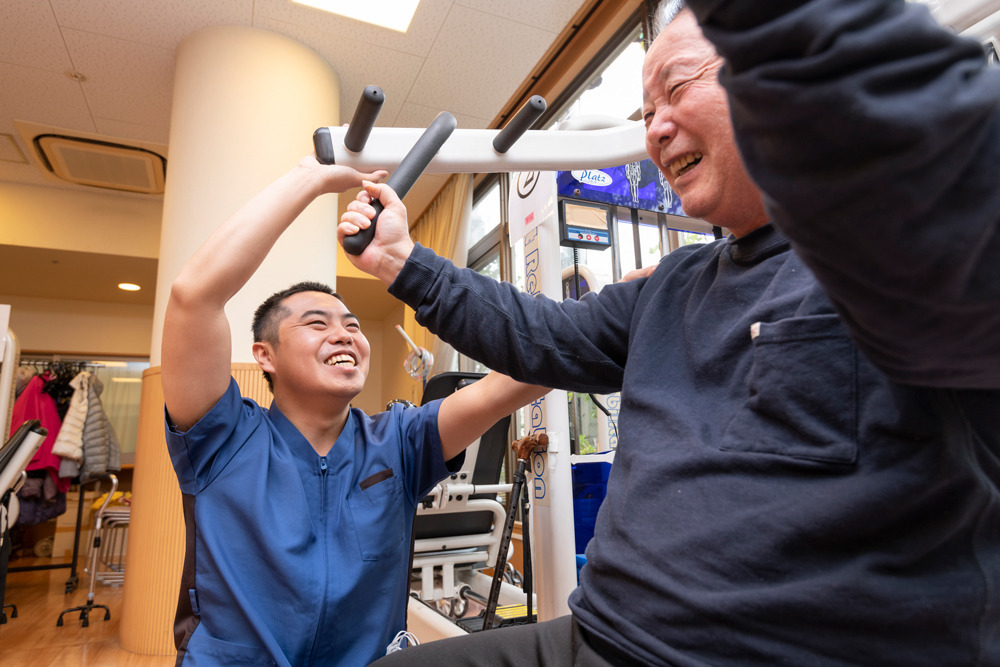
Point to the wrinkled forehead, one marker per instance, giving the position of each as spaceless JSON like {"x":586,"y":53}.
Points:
{"x":679,"y":50}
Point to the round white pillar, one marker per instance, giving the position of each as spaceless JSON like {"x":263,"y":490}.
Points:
{"x":246,"y":102}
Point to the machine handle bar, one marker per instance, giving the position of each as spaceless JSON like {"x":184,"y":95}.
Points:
{"x":403,"y":178}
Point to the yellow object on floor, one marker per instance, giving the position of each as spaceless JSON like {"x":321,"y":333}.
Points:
{"x":120,"y":498}
{"x":513,"y":611}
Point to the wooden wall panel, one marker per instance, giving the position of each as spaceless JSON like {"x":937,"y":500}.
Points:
{"x":156,"y":528}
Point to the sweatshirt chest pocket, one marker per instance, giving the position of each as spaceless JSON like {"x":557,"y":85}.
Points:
{"x":802,"y":393}
{"x":380,"y":513}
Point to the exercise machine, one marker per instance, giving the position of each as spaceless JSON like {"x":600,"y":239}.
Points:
{"x":443,"y":148}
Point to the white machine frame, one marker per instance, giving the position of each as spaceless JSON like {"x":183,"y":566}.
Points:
{"x":612,"y":143}
{"x":471,"y":151}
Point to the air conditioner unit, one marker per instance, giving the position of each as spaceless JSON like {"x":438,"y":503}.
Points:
{"x":102,"y":164}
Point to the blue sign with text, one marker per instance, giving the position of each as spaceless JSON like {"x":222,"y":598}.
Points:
{"x":635,"y":185}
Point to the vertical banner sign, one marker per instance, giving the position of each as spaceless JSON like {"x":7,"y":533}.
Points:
{"x":532,"y":201}
{"x":549,"y":478}
{"x":607,"y":436}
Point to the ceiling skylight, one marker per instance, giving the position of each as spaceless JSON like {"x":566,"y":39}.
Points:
{"x":392,"y":14}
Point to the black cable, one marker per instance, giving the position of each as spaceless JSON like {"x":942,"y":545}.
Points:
{"x":606,"y":414}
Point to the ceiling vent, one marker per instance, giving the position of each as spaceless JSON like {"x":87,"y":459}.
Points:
{"x":102,"y":164}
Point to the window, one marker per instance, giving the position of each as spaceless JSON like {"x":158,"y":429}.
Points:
{"x":484,"y":239}
{"x":614,"y":90}
{"x":485,"y":216}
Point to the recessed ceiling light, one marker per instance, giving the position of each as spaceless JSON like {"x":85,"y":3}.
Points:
{"x":129,"y":287}
{"x":392,"y":14}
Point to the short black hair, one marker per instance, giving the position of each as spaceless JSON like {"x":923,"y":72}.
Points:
{"x":272,"y":311}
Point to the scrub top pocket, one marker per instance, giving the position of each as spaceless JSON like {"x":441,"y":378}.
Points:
{"x":379,"y":524}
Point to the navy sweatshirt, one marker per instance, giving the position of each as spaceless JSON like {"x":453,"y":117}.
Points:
{"x":809,"y":440}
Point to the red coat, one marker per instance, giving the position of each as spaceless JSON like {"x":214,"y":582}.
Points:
{"x":33,"y":403}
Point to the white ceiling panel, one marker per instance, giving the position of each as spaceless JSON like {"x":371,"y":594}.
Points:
{"x":134,"y":131}
{"x":30,"y":37}
{"x":424,"y":27}
{"x":162,"y":23}
{"x":126,"y":81}
{"x":478,"y":62}
{"x":465,"y":56}
{"x":50,"y":98}
{"x":358,"y":65}
{"x":417,"y":115}
{"x":550,"y":15}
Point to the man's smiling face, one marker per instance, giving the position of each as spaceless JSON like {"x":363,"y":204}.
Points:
{"x":689,"y":134}
{"x":320,"y":347}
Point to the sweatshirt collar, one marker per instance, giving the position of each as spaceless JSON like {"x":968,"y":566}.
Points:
{"x":758,"y":245}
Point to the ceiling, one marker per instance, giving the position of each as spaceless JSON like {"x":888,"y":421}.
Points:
{"x":103,"y":69}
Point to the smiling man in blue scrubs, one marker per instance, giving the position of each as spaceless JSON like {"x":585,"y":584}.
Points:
{"x":298,"y":516}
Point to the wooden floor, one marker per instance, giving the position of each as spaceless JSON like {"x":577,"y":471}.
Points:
{"x":33,"y":639}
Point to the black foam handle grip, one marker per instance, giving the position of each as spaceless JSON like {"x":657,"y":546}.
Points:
{"x":519,"y":124}
{"x":364,"y":118}
{"x":406,"y":174}
{"x":323,"y":146}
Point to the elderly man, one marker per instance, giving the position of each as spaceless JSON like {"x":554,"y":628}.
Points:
{"x":810,"y":428}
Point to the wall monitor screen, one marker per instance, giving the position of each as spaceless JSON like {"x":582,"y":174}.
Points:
{"x":584,"y":224}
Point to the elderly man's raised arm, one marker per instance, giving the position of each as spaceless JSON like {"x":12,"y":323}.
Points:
{"x":875,"y":136}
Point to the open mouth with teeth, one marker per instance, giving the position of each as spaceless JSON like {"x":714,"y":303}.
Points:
{"x":341,"y":360}
{"x":685,"y":163}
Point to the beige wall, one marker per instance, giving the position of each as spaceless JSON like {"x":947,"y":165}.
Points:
{"x":396,"y":382}
{"x":130,"y":225}
{"x":96,"y":222}
{"x":386,"y":378}
{"x":80,"y":327}
{"x":91,"y":328}
{"x":370,"y":400}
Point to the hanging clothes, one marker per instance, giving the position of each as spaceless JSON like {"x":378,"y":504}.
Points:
{"x":39,"y":500}
{"x":33,"y":403}
{"x":69,"y":443}
{"x":58,"y":379}
{"x":101,"y":449}
{"x":24,"y":375}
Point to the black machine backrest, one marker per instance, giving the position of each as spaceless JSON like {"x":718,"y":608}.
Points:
{"x":486,"y":470}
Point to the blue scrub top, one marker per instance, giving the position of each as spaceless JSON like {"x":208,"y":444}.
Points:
{"x":297,"y":558}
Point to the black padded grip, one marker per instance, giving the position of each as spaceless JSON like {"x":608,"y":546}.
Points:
{"x":406,"y":174}
{"x":519,"y":124}
{"x":323,"y":146}
{"x":364,"y":118}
